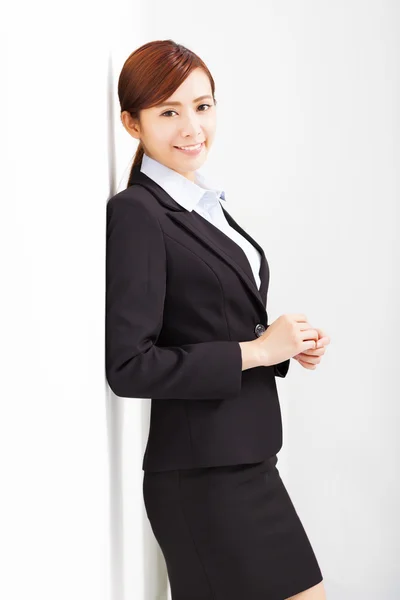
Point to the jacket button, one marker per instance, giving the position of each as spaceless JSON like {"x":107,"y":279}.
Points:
{"x":259,"y":329}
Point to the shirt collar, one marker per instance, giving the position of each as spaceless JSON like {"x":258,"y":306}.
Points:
{"x":187,"y":193}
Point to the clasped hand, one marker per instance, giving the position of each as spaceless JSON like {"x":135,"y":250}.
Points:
{"x":309,"y":359}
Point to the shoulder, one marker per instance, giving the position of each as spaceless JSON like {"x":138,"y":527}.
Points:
{"x":134,"y":209}
{"x":134,"y":200}
{"x":134,"y":195}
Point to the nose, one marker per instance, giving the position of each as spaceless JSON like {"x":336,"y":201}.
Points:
{"x":191,"y":126}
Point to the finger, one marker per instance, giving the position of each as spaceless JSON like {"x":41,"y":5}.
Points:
{"x":307,"y":365}
{"x":310,"y":359}
{"x":323,"y":335}
{"x":324,"y":341}
{"x":315,"y":352}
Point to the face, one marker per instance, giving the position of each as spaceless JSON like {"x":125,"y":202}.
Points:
{"x":182,"y":120}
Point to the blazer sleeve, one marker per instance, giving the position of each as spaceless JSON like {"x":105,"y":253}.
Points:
{"x":281,"y":369}
{"x":135,"y":291}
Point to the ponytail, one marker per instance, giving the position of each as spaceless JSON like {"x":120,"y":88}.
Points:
{"x":136,"y":161}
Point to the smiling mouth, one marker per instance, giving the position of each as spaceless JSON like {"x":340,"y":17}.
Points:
{"x":191,"y":147}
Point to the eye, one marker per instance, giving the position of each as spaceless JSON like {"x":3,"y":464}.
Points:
{"x":171,"y":111}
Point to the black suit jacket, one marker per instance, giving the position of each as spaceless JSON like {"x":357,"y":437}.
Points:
{"x":180,"y":296}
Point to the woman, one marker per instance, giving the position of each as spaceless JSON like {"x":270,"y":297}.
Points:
{"x":186,"y":325}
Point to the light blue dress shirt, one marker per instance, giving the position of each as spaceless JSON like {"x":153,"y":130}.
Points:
{"x":203,"y":197}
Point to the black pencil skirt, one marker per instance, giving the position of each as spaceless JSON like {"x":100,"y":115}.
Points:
{"x":229,"y":533}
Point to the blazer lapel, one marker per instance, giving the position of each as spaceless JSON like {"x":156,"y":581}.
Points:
{"x":264,"y":269}
{"x":212,"y":238}
{"x":224,"y":248}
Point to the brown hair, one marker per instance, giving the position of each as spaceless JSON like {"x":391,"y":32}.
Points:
{"x":151,"y":74}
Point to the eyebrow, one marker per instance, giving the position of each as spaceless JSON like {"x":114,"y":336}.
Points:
{"x":180,"y":103}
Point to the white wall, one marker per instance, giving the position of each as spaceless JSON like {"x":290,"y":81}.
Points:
{"x":308,"y":96}
{"x":54,"y":524}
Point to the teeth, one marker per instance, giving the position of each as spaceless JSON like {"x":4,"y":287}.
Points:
{"x":189,"y":147}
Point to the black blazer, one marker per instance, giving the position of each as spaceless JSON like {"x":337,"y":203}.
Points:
{"x":180,"y":296}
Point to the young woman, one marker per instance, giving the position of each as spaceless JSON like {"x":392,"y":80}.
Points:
{"x":187,"y":326}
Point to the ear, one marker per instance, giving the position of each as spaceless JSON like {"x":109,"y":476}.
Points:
{"x":130,"y":124}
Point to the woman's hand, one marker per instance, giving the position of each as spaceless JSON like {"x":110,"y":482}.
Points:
{"x":289,"y":335}
{"x":309,"y":359}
